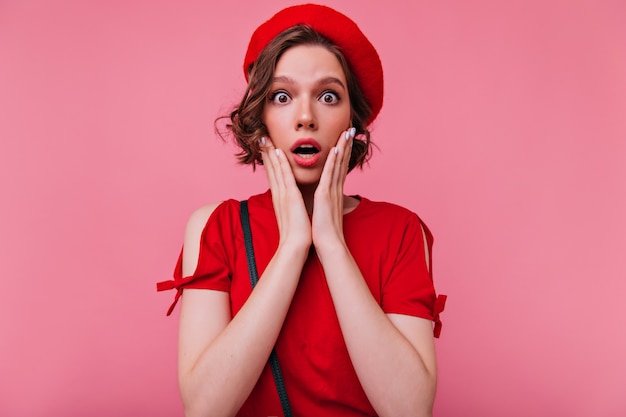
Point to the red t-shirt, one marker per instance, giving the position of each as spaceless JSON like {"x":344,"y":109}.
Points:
{"x":386,"y":242}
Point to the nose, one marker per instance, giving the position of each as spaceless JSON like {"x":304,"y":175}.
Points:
{"x":306,"y":116}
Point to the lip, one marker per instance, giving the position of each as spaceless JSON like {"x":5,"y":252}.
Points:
{"x":308,"y":161}
{"x":306,"y":141}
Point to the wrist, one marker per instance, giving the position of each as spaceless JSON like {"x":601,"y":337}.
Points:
{"x":331,"y":251}
{"x":294,"y":248}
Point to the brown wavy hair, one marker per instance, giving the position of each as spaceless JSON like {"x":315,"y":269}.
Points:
{"x":245,"y":123}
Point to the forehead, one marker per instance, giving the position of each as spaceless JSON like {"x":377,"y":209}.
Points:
{"x":309,"y":61}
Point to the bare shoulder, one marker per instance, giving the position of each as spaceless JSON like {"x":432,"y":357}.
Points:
{"x":198,"y":218}
{"x":193,"y":234}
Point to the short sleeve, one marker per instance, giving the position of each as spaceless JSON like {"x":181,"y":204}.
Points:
{"x":214,"y":270}
{"x":409,"y":289}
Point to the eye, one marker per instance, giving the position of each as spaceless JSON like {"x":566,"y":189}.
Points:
{"x":329,"y":97}
{"x":280,"y":97}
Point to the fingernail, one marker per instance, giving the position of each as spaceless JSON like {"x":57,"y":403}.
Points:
{"x":262,"y":140}
{"x":353,"y":131}
{"x":277,"y":152}
{"x":348,"y":135}
{"x":336,"y":150}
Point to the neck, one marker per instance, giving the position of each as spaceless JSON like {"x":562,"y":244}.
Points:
{"x":308,"y":195}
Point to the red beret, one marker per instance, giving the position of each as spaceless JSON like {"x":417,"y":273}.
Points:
{"x":339,"y":29}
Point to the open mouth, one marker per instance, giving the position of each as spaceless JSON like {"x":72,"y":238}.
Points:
{"x":306,"y":151}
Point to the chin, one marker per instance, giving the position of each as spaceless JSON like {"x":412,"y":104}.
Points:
{"x":307,"y":181}
{"x":307,"y":178}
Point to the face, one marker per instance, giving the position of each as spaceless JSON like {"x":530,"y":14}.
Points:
{"x":308,"y":107}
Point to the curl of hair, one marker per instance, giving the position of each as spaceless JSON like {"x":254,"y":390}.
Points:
{"x":246,"y":120}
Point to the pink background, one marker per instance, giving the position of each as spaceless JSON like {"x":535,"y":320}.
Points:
{"x":504,"y":127}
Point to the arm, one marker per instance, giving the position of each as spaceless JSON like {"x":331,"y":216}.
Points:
{"x":221,"y":359}
{"x":393,"y":355}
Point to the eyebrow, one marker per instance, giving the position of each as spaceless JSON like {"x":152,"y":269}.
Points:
{"x":322,"y":81}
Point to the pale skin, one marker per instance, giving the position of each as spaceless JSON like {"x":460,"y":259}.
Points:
{"x":221,"y":357}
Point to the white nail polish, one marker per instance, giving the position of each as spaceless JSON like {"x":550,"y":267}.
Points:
{"x":277,"y":152}
{"x":336,"y":150}
{"x":348,"y":135}
{"x":353,"y":131}
{"x":263,"y":140}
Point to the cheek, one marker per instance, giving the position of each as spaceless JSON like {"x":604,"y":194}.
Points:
{"x":265,"y":117}
{"x":276,"y":122}
{"x":342,"y":121}
{"x":268,"y":120}
{"x":346,"y":115}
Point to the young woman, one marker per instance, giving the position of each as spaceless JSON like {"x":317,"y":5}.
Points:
{"x":344,"y":294}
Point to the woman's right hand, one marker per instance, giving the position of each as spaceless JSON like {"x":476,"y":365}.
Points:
{"x":294,"y":224}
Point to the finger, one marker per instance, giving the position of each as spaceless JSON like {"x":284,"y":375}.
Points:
{"x":276,"y":175}
{"x":344,"y":145}
{"x":328,"y":171}
{"x":276,"y":179}
{"x":282,"y":168}
{"x":274,"y":155}
{"x":267,"y":148}
{"x":289,"y":178}
{"x":348,"y":150}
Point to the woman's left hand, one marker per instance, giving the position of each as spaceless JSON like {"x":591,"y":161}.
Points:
{"x":327,"y":219}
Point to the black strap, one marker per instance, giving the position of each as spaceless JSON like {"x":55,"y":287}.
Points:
{"x":254,"y":278}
